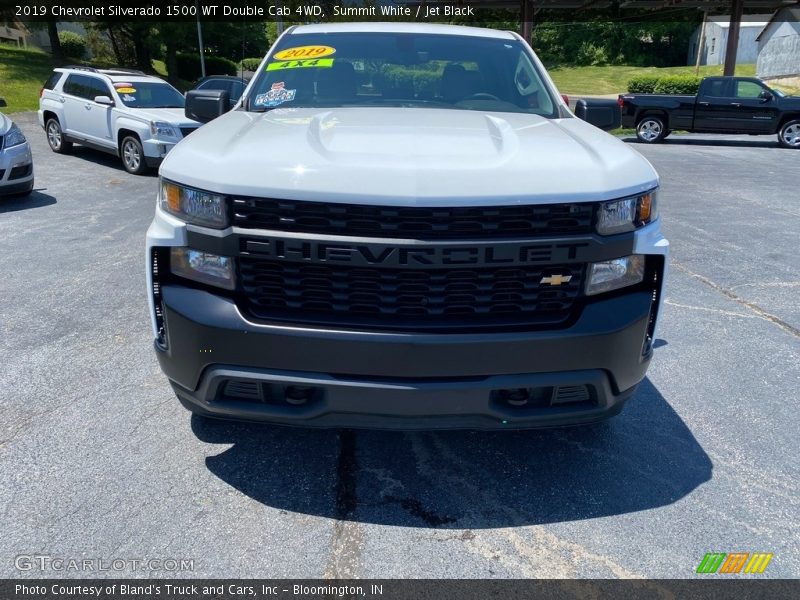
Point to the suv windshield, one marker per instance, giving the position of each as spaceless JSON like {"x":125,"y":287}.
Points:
{"x":400,"y":69}
{"x":146,"y":94}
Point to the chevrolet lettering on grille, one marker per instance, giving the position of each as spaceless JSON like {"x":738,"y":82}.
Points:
{"x":414,"y":256}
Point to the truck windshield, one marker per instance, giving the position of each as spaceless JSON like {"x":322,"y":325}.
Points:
{"x":142,"y":94}
{"x":401,"y":69}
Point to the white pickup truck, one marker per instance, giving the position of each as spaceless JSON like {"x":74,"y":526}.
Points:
{"x":404,"y":226}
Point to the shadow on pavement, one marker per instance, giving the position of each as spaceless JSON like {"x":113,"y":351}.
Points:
{"x":680,"y":140}
{"x":35,"y":199}
{"x":104,"y":159}
{"x":643,"y":459}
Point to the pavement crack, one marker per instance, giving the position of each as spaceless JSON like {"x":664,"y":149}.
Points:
{"x":346,"y":545}
{"x":738,"y":299}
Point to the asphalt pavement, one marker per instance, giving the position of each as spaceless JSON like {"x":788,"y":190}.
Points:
{"x":99,"y":461}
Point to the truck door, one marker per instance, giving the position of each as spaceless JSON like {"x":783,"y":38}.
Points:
{"x":757,"y":108}
{"x":84,"y":118}
{"x":713,"y":108}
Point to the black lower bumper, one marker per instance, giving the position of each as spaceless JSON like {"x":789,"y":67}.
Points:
{"x":13,"y":189}
{"x":220,"y":364}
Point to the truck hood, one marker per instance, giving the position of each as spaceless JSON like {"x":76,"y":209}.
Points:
{"x":408,"y":156}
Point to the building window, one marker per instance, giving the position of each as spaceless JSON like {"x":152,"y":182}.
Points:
{"x":713,"y":44}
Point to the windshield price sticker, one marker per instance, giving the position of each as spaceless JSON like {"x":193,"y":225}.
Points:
{"x":300,"y":64}
{"x":302,"y":52}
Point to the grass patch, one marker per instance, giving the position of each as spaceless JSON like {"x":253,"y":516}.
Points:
{"x":614,"y":79}
{"x":22,"y":73}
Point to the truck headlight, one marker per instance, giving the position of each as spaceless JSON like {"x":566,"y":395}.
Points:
{"x":203,"y":267}
{"x":160,"y":129}
{"x":14,"y":137}
{"x":193,"y":206}
{"x":614,"y":274}
{"x":619,"y":216}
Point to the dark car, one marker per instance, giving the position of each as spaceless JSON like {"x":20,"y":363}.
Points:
{"x":233,"y":85}
{"x":723,"y":105}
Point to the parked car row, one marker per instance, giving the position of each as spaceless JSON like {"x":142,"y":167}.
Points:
{"x":140,"y":117}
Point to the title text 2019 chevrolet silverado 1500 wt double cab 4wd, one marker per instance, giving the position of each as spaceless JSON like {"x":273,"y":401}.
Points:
{"x":404,"y":226}
{"x":723,"y":105}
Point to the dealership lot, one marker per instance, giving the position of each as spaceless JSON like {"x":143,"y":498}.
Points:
{"x":98,"y":460}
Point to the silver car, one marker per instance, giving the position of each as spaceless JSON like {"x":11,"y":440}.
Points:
{"x":16,"y":162}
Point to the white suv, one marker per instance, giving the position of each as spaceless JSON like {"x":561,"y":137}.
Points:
{"x":127,"y":113}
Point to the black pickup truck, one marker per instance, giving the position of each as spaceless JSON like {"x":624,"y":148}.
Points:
{"x":723,"y":105}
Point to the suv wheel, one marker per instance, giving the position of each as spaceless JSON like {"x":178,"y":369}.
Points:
{"x":651,"y":130}
{"x":55,"y":137}
{"x":789,"y":135}
{"x":132,"y":155}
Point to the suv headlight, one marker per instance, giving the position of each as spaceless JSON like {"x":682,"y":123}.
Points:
{"x":161,"y":129}
{"x":14,"y":137}
{"x":193,"y":206}
{"x":619,"y":216}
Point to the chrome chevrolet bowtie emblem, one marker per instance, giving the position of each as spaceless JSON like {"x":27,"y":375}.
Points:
{"x":556,"y":279}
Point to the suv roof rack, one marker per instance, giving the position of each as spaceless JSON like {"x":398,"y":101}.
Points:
{"x":79,"y":68}
{"x":111,"y":71}
{"x":123,"y":71}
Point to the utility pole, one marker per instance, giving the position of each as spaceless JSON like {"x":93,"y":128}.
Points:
{"x":200,"y":40}
{"x":737,"y":8}
{"x":701,"y":43}
{"x":527,"y":20}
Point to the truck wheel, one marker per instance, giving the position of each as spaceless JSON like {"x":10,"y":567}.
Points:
{"x":55,"y":137}
{"x":651,"y":130}
{"x":132,"y":155}
{"x":789,"y":135}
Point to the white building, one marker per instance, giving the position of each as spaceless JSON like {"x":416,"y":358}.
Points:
{"x":779,"y":48}
{"x":716,"y":40}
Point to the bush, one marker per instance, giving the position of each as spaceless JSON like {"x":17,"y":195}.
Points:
{"x":592,"y":55}
{"x":643,"y":84}
{"x":250,"y":64}
{"x":671,"y":84}
{"x":678,"y":84}
{"x":73,"y":45}
{"x":189,"y":66}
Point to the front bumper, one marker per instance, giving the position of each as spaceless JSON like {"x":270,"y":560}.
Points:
{"x":577,"y":375}
{"x":16,"y":169}
{"x":155,"y":151}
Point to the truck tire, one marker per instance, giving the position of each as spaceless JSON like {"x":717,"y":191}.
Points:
{"x":789,"y":134}
{"x":132,"y":155}
{"x":651,"y":130}
{"x":55,"y":137}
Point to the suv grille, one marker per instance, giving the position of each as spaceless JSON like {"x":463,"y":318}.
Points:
{"x":413,"y":222}
{"x":187,"y":130}
{"x":437,"y":298}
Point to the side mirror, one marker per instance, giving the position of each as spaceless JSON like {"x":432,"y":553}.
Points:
{"x":3,"y":102}
{"x":206,"y":105}
{"x":604,"y":114}
{"x":766,"y":96}
{"x":104,"y":100}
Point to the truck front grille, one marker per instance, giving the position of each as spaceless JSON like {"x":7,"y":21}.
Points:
{"x":413,"y":222}
{"x":391,"y":298}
